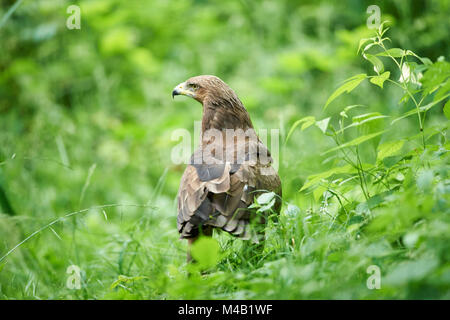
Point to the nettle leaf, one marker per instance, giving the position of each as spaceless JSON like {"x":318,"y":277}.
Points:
{"x":348,"y":86}
{"x":390,"y":148}
{"x":447,"y":109}
{"x":421,"y":109}
{"x":310,"y":183}
{"x":292,"y":210}
{"x":363,"y":119}
{"x":393,"y":52}
{"x":377,"y":63}
{"x":362,"y":209}
{"x":313,"y":179}
{"x":377,"y":199}
{"x":436,"y":74}
{"x":348,"y":108}
{"x":265,"y":198}
{"x":425,"y":179}
{"x":370,"y":123}
{"x":443,"y":90}
{"x":355,"y":142}
{"x":267,"y":206}
{"x":323,"y":124}
{"x":379,"y":80}
{"x":297,"y":123}
{"x":427,"y":62}
{"x":411,"y":270}
{"x":318,"y":192}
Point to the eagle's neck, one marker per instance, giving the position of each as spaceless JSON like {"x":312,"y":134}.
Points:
{"x":224,"y":114}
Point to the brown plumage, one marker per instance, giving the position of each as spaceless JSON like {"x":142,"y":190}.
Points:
{"x":229,"y":168}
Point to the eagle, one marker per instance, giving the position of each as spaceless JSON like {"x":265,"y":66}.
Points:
{"x":228,"y":170}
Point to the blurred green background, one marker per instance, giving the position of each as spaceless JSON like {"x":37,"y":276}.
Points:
{"x":86,"y":118}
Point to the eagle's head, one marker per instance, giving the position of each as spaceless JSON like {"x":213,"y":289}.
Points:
{"x":221,"y":106}
{"x":206,"y":88}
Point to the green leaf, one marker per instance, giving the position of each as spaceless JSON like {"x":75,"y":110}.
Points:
{"x":319,"y":192}
{"x":377,"y":63}
{"x":367,"y":47}
{"x":393,"y":52}
{"x":355,"y":142}
{"x":323,"y":124}
{"x":424,"y":60}
{"x":313,"y":179}
{"x":376,"y":200}
{"x":409,"y":271}
{"x":447,"y":109}
{"x":348,"y":86}
{"x":381,"y":29}
{"x":425,"y":179}
{"x":206,"y":252}
{"x":442,"y":90}
{"x":435,"y":76}
{"x":292,"y":210}
{"x":370,"y":123}
{"x":297,"y":123}
{"x":421,"y":109}
{"x":266,"y":207}
{"x":388,"y":149}
{"x":363,"y":119}
{"x":265,"y":197}
{"x":363,"y":41}
{"x":379,"y":80}
{"x":308,"y":124}
{"x":391,"y":161}
{"x":348,"y":108}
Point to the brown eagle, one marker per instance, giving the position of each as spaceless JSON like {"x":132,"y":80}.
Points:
{"x":230,"y":167}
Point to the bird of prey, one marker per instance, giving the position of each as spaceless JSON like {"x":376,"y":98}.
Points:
{"x":230,"y":167}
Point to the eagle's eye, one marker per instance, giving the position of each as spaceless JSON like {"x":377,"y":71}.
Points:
{"x":194,"y":86}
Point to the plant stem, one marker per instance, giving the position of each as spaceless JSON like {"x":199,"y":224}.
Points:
{"x":405,"y":89}
{"x":362,"y":176}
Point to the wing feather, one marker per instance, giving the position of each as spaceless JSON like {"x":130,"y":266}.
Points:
{"x":218,"y":195}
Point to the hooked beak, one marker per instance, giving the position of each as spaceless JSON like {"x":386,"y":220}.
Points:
{"x":182,"y":89}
